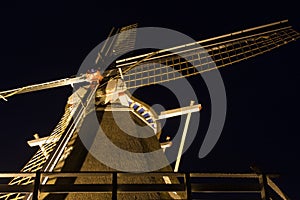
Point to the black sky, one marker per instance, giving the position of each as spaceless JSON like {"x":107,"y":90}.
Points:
{"x":47,"y":41}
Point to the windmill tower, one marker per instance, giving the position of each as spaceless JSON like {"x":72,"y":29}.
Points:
{"x":107,"y":94}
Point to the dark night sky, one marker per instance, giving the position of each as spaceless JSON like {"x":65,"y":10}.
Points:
{"x":47,"y":41}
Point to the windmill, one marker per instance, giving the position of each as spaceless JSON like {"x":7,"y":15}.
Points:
{"x":112,"y":85}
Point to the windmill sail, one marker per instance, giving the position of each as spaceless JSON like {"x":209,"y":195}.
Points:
{"x":56,"y":148}
{"x":125,"y":40}
{"x":118,"y":42}
{"x":202,"y":56}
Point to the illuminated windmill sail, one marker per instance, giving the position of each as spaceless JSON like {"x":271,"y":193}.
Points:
{"x":138,"y":71}
{"x":223,"y":51}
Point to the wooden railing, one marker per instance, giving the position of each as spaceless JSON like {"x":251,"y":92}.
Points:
{"x":192,"y":185}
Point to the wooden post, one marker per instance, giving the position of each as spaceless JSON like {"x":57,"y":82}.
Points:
{"x":188,"y":186}
{"x":36,"y":188}
{"x":264,"y":187}
{"x":115,"y":186}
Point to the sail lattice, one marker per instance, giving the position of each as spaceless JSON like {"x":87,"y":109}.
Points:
{"x":205,"y":55}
